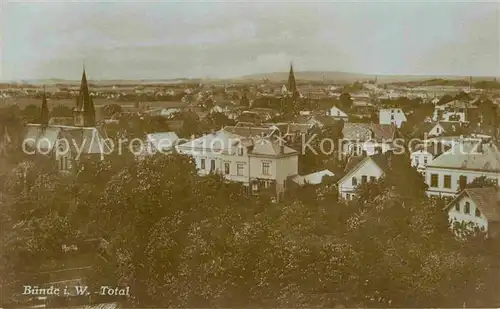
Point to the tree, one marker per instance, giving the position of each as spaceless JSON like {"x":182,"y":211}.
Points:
{"x":345,"y":101}
{"x":426,"y":263}
{"x":31,"y":113}
{"x":61,"y":111}
{"x":109,"y":110}
{"x":216,"y":121}
{"x":155,"y":124}
{"x":482,"y":182}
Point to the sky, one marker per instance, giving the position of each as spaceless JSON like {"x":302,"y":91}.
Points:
{"x":201,"y":39}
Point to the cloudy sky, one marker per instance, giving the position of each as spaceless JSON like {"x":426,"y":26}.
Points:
{"x":172,"y":39}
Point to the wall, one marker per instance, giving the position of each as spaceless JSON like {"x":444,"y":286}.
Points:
{"x":455,"y":174}
{"x":418,"y":159}
{"x":369,"y":147}
{"x":369,"y":168}
{"x":385,"y":116}
{"x":461,"y":216}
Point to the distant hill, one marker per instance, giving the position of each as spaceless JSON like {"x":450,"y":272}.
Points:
{"x":53,"y":81}
{"x":273,"y":77}
{"x":345,"y":77}
{"x":317,"y":76}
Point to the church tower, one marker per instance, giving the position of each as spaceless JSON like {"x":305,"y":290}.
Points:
{"x":84,"y":112}
{"x":44,"y":115}
{"x":292,"y":85}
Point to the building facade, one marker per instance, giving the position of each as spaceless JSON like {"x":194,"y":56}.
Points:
{"x":394,"y":116}
{"x":257,"y":162}
{"x":452,"y":171}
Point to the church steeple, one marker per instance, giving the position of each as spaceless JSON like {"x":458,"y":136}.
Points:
{"x":292,"y":85}
{"x":44,"y":115}
{"x":84,"y":112}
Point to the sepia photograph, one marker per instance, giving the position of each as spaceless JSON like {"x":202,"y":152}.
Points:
{"x":249,"y":154}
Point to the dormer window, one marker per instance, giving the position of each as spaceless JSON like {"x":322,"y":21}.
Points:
{"x":240,"y":151}
{"x":354,"y":181}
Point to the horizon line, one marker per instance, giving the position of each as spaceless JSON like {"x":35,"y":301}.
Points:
{"x":250,"y":77}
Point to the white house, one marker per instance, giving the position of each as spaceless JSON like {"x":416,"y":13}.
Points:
{"x":312,"y":179}
{"x":359,"y":138}
{"x":479,"y":206}
{"x":361,"y":169}
{"x":394,"y":116}
{"x":259,"y":162}
{"x":337,"y":114}
{"x":464,"y":162}
{"x":423,"y":154}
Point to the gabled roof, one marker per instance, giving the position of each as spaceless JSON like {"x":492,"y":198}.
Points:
{"x":365,"y":131}
{"x":249,"y":131}
{"x":324,"y":120}
{"x":435,"y":149}
{"x":313,"y":179}
{"x":160,"y":140}
{"x":449,"y":126}
{"x":486,"y":199}
{"x":88,"y":139}
{"x":470,"y":155}
{"x":381,"y":160}
{"x":353,"y":162}
{"x":267,"y":147}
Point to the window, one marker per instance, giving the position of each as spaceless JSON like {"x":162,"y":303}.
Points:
{"x":457,"y":207}
{"x":338,"y":113}
{"x":212,"y":165}
{"x":399,"y":111}
{"x":202,"y":164}
{"x":467,"y":208}
{"x":462,"y":181}
{"x":364,"y":179}
{"x":478,"y":212}
{"x":434,"y":180}
{"x":265,"y":168}
{"x":226,"y":168}
{"x":437,"y":130}
{"x":372,"y":179}
{"x":240,"y":151}
{"x":239,"y":169}
{"x":348,"y":196}
{"x":425,"y":160}
{"x":354,"y":181}
{"x":447,"y":181}
{"x":392,"y":117}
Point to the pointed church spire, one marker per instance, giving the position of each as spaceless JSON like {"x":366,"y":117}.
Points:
{"x":85,"y":110}
{"x":292,"y":85}
{"x":44,"y":115}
